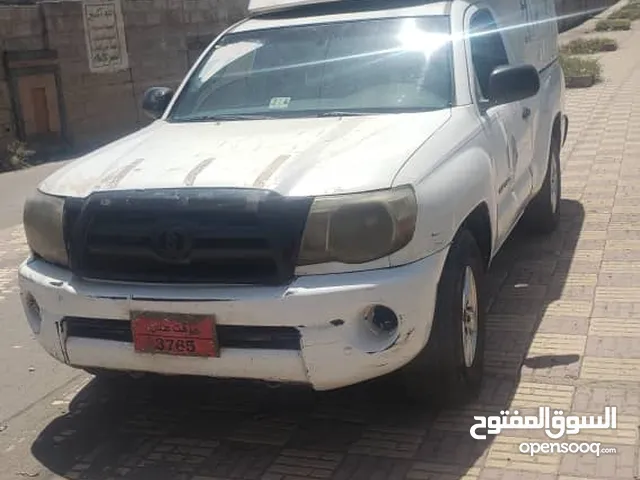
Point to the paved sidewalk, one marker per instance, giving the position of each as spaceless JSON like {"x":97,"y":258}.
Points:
{"x":584,"y":284}
{"x":564,"y":333}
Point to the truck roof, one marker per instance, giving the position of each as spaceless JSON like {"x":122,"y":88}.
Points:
{"x":265,"y":6}
{"x":298,"y":12}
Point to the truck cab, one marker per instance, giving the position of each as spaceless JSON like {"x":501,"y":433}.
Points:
{"x":317,"y":203}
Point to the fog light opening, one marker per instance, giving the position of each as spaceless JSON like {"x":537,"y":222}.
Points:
{"x":382,"y":319}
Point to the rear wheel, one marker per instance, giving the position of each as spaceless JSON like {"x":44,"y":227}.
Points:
{"x":541,"y":216}
{"x":449,"y":370}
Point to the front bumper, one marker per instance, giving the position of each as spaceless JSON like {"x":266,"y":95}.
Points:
{"x":336,"y":347}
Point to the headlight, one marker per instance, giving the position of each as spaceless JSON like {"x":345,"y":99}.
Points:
{"x":358,"y":228}
{"x":43,"y":227}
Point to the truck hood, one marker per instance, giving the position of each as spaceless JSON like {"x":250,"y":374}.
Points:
{"x":309,"y":156}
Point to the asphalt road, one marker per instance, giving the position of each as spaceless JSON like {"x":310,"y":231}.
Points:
{"x":28,"y":376}
{"x":16,"y":186}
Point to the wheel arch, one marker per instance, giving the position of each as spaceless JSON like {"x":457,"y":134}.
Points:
{"x":557,"y":136}
{"x":478,"y":223}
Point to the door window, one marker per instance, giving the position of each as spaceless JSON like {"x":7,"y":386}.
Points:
{"x":487,"y":49}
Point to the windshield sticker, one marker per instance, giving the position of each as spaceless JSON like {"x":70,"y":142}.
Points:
{"x":280,"y":102}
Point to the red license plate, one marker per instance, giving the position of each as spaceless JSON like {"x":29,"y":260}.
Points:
{"x":174,"y":334}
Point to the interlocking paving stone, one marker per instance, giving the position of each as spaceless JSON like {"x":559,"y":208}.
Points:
{"x":610,"y":369}
{"x":505,"y":453}
{"x":569,"y":307}
{"x":615,"y":466}
{"x":534,"y":395}
{"x":306,"y":463}
{"x":556,"y":344}
{"x":511,"y":323}
{"x":564,"y":325}
{"x":614,"y":327}
{"x":626,"y":432}
{"x":429,"y":471}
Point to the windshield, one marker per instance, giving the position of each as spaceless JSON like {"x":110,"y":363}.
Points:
{"x":359,"y":67}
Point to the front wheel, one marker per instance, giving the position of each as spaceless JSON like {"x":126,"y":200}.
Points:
{"x":449,"y":370}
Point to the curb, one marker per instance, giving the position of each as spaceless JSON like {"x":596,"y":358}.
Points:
{"x":589,"y":25}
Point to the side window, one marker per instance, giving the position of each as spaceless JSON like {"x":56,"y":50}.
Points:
{"x":487,"y":48}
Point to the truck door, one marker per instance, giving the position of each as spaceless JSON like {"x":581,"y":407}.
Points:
{"x":527,"y":109}
{"x":505,"y":125}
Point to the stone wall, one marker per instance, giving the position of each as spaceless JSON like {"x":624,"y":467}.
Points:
{"x":20,"y":29}
{"x":163,"y":37}
{"x":46,"y":83}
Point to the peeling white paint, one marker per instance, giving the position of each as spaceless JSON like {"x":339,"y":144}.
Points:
{"x":316,"y":156}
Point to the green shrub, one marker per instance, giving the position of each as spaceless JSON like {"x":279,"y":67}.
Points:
{"x":610,"y":25}
{"x":631,"y":11}
{"x":580,"y":67}
{"x":583,"y":46}
{"x":16,"y":156}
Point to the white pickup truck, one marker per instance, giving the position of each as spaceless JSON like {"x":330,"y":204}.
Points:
{"x":317,"y":203}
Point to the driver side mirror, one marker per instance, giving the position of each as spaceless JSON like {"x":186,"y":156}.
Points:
{"x":156,"y":100}
{"x":513,"y":83}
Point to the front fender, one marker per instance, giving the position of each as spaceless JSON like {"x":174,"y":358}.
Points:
{"x":446,"y":197}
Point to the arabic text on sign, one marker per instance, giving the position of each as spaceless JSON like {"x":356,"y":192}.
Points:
{"x":554,"y":426}
{"x":105,"y":44}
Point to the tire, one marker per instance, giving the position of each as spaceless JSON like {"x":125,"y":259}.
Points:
{"x":541,"y":215}
{"x":440,"y":375}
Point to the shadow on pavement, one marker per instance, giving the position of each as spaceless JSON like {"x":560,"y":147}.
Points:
{"x":548,"y":361}
{"x":184,"y":428}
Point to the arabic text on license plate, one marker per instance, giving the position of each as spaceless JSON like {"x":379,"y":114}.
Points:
{"x":174,"y":334}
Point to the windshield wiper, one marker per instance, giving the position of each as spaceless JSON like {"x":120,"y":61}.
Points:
{"x":373,"y":111}
{"x":336,"y":113}
{"x":225,"y":117}
{"x":297,"y":114}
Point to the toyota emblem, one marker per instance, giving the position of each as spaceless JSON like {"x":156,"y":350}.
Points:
{"x":173,"y":244}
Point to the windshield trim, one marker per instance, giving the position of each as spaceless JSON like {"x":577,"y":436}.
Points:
{"x":316,"y":113}
{"x":231,"y":31}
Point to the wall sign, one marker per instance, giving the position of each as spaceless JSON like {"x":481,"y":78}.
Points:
{"x":104,"y":36}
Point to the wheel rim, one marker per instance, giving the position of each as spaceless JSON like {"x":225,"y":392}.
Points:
{"x":469,"y":317}
{"x":553,"y":184}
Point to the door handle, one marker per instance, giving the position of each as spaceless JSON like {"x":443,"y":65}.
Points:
{"x":526,"y":113}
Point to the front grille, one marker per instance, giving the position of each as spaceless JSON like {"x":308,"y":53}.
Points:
{"x":228,"y":236}
{"x":229,"y":336}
